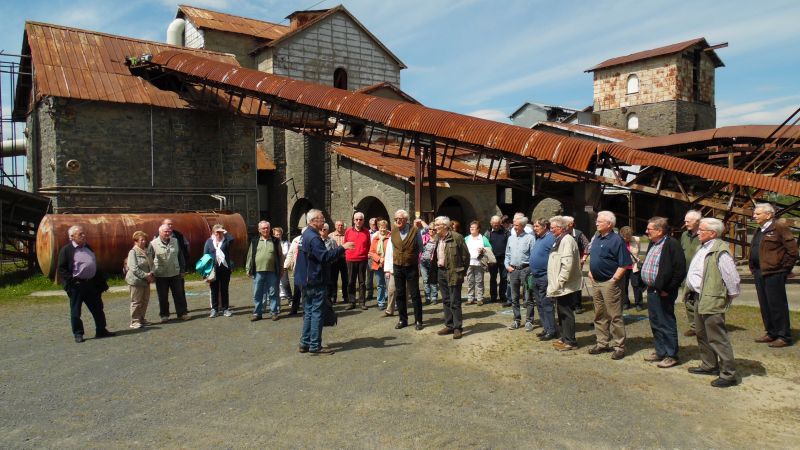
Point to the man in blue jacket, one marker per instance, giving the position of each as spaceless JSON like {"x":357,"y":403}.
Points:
{"x":311,"y":273}
{"x":540,"y":253}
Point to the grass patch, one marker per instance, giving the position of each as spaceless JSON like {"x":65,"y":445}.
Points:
{"x":15,"y":285}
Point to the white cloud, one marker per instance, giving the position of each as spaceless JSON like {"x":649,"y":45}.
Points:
{"x":490,"y":114}
{"x":770,"y":111}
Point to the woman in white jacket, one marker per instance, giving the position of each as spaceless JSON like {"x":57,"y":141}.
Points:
{"x":564,"y":278}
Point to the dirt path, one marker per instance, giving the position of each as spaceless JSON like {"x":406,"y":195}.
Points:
{"x":229,"y":383}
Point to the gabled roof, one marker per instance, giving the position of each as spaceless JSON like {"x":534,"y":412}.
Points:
{"x":313,"y":22}
{"x":386,"y":85}
{"x":214,"y":20}
{"x":542,"y":106}
{"x":88,"y":65}
{"x":660,"y":51}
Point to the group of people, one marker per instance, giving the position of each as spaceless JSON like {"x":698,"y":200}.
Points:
{"x":539,"y":265}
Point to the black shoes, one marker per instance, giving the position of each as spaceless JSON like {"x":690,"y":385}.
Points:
{"x":351,"y":306}
{"x":418,"y":326}
{"x":400,"y":325}
{"x":722,"y":383}
{"x":547,"y":337}
{"x":702,"y":371}
{"x":104,"y":334}
{"x":79,"y":338}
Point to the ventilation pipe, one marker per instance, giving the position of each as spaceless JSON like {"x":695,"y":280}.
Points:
{"x":14,"y":147}
{"x":175,"y":32}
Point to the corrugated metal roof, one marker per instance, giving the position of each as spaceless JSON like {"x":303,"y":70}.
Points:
{"x":339,"y":8}
{"x":214,"y":20}
{"x":573,"y":153}
{"x":403,"y":168}
{"x":740,"y":133}
{"x":660,"y":51}
{"x":88,"y":65}
{"x":596,"y":131}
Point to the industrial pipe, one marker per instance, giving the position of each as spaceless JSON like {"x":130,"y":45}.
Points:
{"x":111,"y":236}
{"x":175,"y":32}
{"x":13,"y":147}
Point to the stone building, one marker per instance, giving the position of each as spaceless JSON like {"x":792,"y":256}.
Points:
{"x":101,"y":140}
{"x":657,"y":92}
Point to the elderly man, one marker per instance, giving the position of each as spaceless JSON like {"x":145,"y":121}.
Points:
{"x":608,"y":258}
{"x":169,"y":269}
{"x":517,"y":261}
{"x":663,"y":271}
{"x":406,"y":247}
{"x":583,"y":249}
{"x":183,"y":243}
{"x":264,"y":264}
{"x":450,"y":263}
{"x":773,"y":252}
{"x":563,"y":279}
{"x":540,"y":253}
{"x":713,"y":282}
{"x":338,"y":267}
{"x":311,"y":274}
{"x":690,"y":242}
{"x":498,"y":239}
{"x":83,"y":282}
{"x":356,"y":259}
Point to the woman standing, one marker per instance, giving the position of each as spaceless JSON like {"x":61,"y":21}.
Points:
{"x":218,"y":246}
{"x":631,"y":275}
{"x":377,"y":256}
{"x":477,"y":244}
{"x":285,"y":290}
{"x":139,"y":276}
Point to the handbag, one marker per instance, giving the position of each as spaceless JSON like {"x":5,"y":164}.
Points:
{"x":212,"y":276}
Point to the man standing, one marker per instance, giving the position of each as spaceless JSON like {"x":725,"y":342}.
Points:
{"x":338,"y":267}
{"x":169,"y":269}
{"x":608,"y":258}
{"x":663,"y":271}
{"x":406,"y":247}
{"x":311,"y":274}
{"x":498,"y":239}
{"x":264,"y":264}
{"x":773,"y":252}
{"x":450,"y":263}
{"x":83,"y":282}
{"x":517,"y":260}
{"x":538,"y":266}
{"x":690,"y":242}
{"x":583,"y":250}
{"x":183,"y":243}
{"x":564,"y":278}
{"x":357,"y":260}
{"x":713,"y":282}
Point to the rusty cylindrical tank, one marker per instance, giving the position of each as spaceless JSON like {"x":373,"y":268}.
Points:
{"x":111,"y":236}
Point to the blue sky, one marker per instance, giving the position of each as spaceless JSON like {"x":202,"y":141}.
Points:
{"x":486,"y":58}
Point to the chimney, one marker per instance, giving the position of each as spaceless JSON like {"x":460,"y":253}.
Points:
{"x":299,"y":18}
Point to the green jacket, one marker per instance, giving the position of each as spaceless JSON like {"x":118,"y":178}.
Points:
{"x":714,"y":294}
{"x":689,"y":244}
{"x":456,"y":256}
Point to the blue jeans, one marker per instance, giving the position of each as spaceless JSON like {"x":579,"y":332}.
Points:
{"x":265,"y":284}
{"x":661,"y":311}
{"x":430,"y":286}
{"x":382,"y":293}
{"x":544,"y":304}
{"x":313,"y":296}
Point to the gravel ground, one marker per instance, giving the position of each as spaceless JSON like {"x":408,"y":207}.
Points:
{"x":229,"y":383}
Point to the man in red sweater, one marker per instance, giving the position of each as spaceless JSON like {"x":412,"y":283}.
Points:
{"x":356,"y":259}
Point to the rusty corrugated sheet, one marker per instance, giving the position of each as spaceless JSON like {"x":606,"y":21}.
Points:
{"x":700,"y":170}
{"x":660,"y":51}
{"x":741,"y":133}
{"x":214,"y":20}
{"x":573,"y":153}
{"x":87,"y":65}
{"x":262,"y":160}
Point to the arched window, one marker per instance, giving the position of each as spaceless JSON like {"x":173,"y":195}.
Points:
{"x":633,"y":84}
{"x":340,"y":78}
{"x":633,"y":121}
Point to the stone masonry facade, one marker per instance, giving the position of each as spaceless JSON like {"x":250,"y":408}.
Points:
{"x":663,"y":118}
{"x":96,"y":157}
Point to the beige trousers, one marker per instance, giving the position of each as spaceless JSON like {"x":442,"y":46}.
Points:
{"x":140,"y":297}
{"x":609,"y":327}
{"x":390,"y":304}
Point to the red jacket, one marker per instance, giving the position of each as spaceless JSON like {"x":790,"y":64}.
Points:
{"x":361,"y":239}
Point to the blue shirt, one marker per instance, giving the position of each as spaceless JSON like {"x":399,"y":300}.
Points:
{"x":518,"y":249}
{"x":540,"y":253}
{"x":608,"y":253}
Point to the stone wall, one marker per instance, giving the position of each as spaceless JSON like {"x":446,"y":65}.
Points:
{"x":351,"y":182}
{"x":335,"y":42}
{"x":194,"y":155}
{"x":237,"y":44}
{"x":659,"y":119}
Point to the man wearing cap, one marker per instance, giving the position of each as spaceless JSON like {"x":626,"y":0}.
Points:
{"x":84,"y":283}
